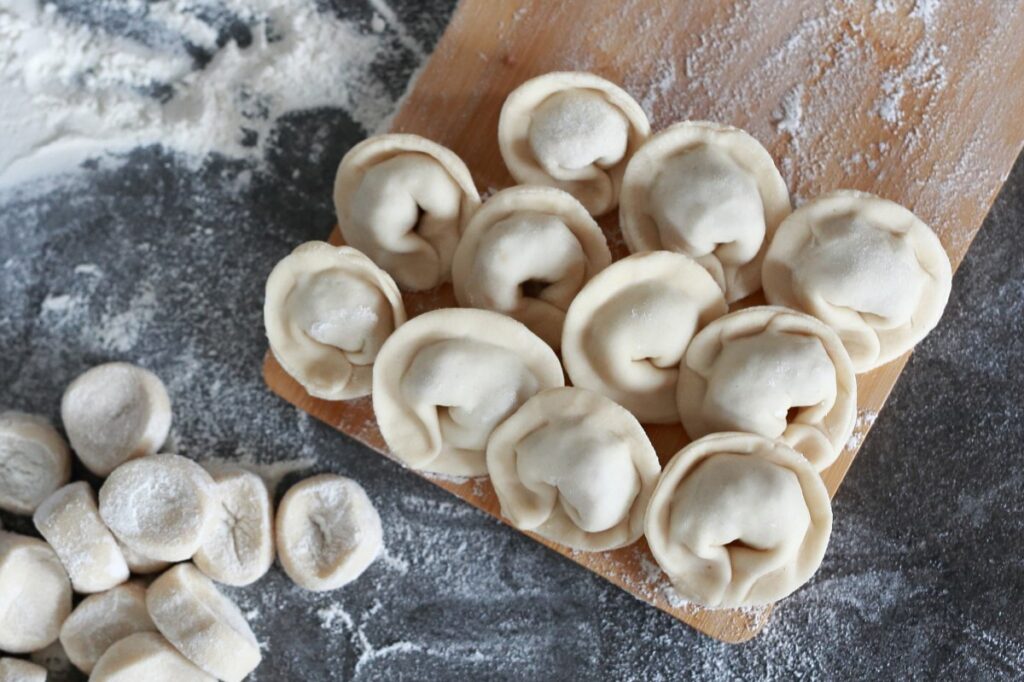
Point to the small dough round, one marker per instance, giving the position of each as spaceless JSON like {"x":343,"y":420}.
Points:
{"x":574,"y":131}
{"x":526,"y":253}
{"x":445,"y":379}
{"x":328,"y":310}
{"x":17,"y":670}
{"x":161,"y":506}
{"x":113,"y":413}
{"x":709,"y":191}
{"x":575,"y":468}
{"x":865,"y":266}
{"x":627,"y":330}
{"x":34,"y":461}
{"x":146,"y":656}
{"x":738,"y":520}
{"x":203,"y":624}
{"x":102,"y":620}
{"x":70,"y":521}
{"x":774,"y":372}
{"x":328,"y":532}
{"x":35,"y":594}
{"x":239,"y":546}
{"x":403,"y":201}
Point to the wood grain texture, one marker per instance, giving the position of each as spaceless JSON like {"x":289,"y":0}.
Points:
{"x":917,"y":103}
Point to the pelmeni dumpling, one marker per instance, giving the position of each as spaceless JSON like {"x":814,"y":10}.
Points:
{"x":34,"y":459}
{"x":445,"y":379}
{"x":103,"y":619}
{"x":738,"y":520}
{"x":328,"y":310}
{"x":146,"y":656}
{"x":575,"y":468}
{"x":867,"y":267}
{"x":774,"y":372}
{"x":707,"y":190}
{"x":403,"y":201}
{"x":574,"y":131}
{"x":627,"y":330}
{"x":526,"y":253}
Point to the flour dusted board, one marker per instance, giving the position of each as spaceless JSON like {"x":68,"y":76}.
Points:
{"x":917,"y":102}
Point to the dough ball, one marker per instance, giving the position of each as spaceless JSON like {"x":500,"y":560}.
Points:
{"x":70,"y":521}
{"x":101,"y":620}
{"x":113,"y":413}
{"x":17,"y":670}
{"x":35,"y":594}
{"x":203,"y":624}
{"x":34,"y":461}
{"x":161,"y":506}
{"x":146,"y":656}
{"x":328,"y":532}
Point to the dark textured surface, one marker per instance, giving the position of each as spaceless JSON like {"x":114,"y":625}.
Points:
{"x":923,"y":579}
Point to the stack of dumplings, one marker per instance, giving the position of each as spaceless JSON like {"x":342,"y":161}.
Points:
{"x":557,"y":356}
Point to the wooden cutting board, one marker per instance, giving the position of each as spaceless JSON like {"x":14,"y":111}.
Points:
{"x":919,"y":103}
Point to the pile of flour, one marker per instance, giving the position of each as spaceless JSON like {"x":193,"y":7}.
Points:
{"x":205,"y":76}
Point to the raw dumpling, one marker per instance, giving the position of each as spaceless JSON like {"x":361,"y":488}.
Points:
{"x":709,"y":191}
{"x":328,"y":310}
{"x":103,"y":619}
{"x":445,"y":379}
{"x":34,"y":461}
{"x":867,"y":267}
{"x":574,"y":131}
{"x":35,"y":594}
{"x":113,"y":413}
{"x":627,"y":330}
{"x":774,"y":372}
{"x":738,"y":520}
{"x":17,"y":670}
{"x":146,"y":656}
{"x":575,"y":468}
{"x":403,"y":201}
{"x":526,"y":253}
{"x":328,"y":532}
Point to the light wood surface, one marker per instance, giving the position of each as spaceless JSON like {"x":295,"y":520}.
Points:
{"x":919,"y":103}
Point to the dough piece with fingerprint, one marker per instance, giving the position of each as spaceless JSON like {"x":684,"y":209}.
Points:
{"x":101,"y":620}
{"x":445,"y":379}
{"x":70,"y":521}
{"x":627,"y":330}
{"x":404,"y":201}
{"x":526,"y":253}
{"x":709,"y":191}
{"x":18,"y":670}
{"x":867,"y":267}
{"x":113,"y":413}
{"x":35,"y":594}
{"x":34,"y":461}
{"x":328,"y":309}
{"x":574,"y":131}
{"x":161,"y":506}
{"x":146,"y":656}
{"x":575,"y":468}
{"x":238,"y":548}
{"x":738,"y":520}
{"x":202,"y":623}
{"x":775,"y":372}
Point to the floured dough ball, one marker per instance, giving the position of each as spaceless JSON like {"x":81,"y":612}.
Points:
{"x":146,"y":656}
{"x":102,"y":620}
{"x":70,"y":521}
{"x":445,"y":379}
{"x":139,"y":564}
{"x":35,"y":594}
{"x":239,"y":546}
{"x":867,"y":267}
{"x":113,"y":413}
{"x":709,"y":191}
{"x":738,"y":520}
{"x":627,"y":330}
{"x":526,"y":253}
{"x":575,"y":468}
{"x":403,"y":201}
{"x":34,"y":461}
{"x":17,"y":670}
{"x":328,"y":532}
{"x":774,"y":372}
{"x":203,"y":624}
{"x":328,"y":310}
{"x":574,"y":131}
{"x":161,"y":506}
